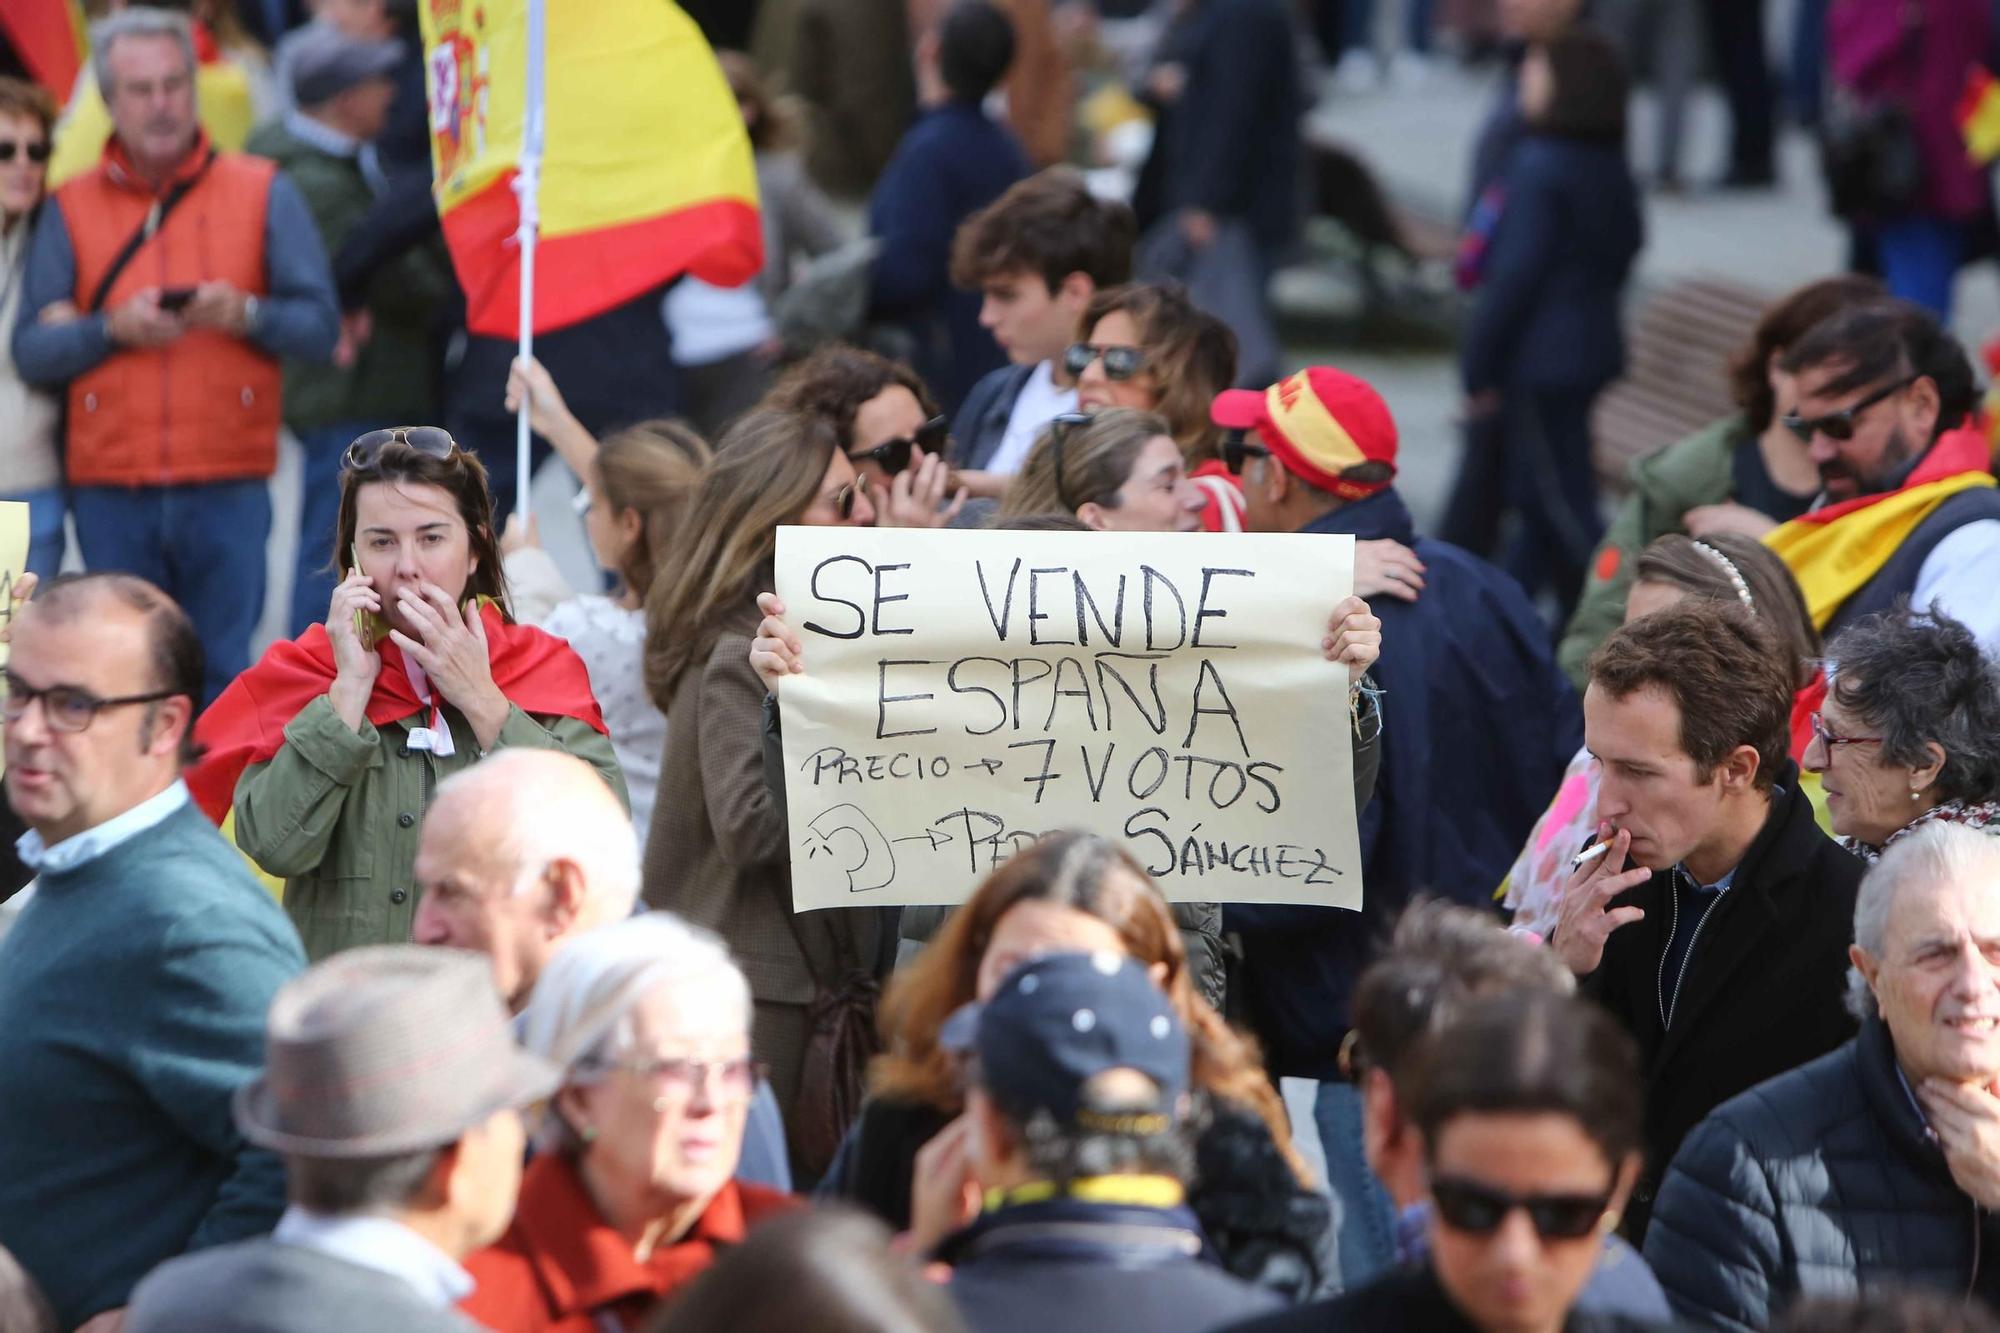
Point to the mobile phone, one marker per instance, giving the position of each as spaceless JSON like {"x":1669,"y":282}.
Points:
{"x":368,"y":626}
{"x":175,"y":299}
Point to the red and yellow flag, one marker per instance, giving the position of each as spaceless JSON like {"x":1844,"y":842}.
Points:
{"x":1979,"y":116}
{"x":51,"y":38}
{"x":645,"y":170}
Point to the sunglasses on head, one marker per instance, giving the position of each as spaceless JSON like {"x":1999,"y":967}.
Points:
{"x":1236,"y":448}
{"x":1059,"y":429}
{"x":35,"y":152}
{"x":894,"y":454}
{"x":1120,"y":363}
{"x":430,"y":441}
{"x":1840,"y":425}
{"x":1478,"y":1210}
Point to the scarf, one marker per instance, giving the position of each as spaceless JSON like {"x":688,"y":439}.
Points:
{"x":1835,"y":550}
{"x":1983,"y":816}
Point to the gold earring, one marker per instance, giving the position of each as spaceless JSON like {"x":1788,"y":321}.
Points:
{"x":588,"y":1133}
{"x":1609,"y":1222}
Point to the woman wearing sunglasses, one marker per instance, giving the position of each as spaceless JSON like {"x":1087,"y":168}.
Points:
{"x":888,"y":426}
{"x":1529,"y":1111}
{"x":718,"y":852}
{"x":30,"y":469}
{"x":326,"y":753}
{"x":1146,"y":346}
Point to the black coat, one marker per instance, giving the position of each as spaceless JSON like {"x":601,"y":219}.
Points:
{"x":1821,"y":1182}
{"x":1410,"y":1299}
{"x":1764,"y":987}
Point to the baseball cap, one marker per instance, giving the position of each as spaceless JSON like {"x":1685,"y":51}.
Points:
{"x":1320,"y":423}
{"x":1059,"y":1021}
{"x":325,"y":62}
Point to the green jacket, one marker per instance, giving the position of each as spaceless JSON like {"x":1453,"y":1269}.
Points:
{"x":392,"y":376}
{"x":1665,"y":485}
{"x":336,"y":813}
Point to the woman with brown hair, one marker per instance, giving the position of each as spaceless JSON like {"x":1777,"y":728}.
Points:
{"x":1116,"y":471}
{"x":1076,"y":892}
{"x":886,"y":422}
{"x":29,"y":461}
{"x":327,"y":751}
{"x":1145,"y":345}
{"x":718,"y":853}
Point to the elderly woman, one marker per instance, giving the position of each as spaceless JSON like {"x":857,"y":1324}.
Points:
{"x":30,"y":469}
{"x":632,"y":1193}
{"x":1909,"y":734}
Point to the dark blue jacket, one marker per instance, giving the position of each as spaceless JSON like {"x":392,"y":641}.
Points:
{"x":1547,"y":310}
{"x":1478,"y":723}
{"x":953,"y":162}
{"x":981,"y":423}
{"x":1065,"y":1266}
{"x":1234,"y":148}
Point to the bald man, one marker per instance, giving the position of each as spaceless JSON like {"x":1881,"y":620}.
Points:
{"x":524,"y":851}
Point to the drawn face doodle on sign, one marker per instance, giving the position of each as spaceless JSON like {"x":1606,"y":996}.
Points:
{"x":856,"y":845}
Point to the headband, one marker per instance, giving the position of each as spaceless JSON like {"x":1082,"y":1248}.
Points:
{"x":1729,"y":568}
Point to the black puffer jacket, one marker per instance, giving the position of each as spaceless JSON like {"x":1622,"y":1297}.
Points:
{"x":1820,"y":1182}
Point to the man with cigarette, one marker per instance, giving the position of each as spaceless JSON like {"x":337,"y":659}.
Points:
{"x":1716,"y":925}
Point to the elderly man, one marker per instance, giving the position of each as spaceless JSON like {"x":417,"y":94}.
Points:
{"x":133,"y":985}
{"x":161,"y":288}
{"x":1721,"y":948}
{"x":393,"y":1092}
{"x":521,"y":853}
{"x":1878,"y":1164}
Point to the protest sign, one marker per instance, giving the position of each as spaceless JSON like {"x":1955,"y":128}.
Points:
{"x":13,"y":562}
{"x":966,"y":692}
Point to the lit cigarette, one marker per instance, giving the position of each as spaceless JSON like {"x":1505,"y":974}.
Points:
{"x":1589,"y":854}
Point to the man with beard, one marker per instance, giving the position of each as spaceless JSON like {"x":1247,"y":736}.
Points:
{"x":1907,"y":507}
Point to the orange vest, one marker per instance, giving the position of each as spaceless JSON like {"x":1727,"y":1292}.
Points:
{"x":205,"y":407}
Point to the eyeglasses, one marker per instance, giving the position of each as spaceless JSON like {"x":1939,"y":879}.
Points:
{"x":736,"y":1078}
{"x":1825,"y":736}
{"x":1478,"y":1210}
{"x":37,"y":153}
{"x":1120,"y":363}
{"x":1059,"y":429}
{"x":894,"y":454}
{"x":430,"y":441}
{"x":1840,"y":425}
{"x":68,"y":708}
{"x":1236,"y":448}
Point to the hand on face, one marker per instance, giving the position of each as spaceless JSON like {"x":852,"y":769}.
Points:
{"x":450,"y":646}
{"x":354,"y":660}
{"x":944,"y":1195}
{"x":1586,"y":918}
{"x":1966,"y":1119}
{"x":914,"y":496}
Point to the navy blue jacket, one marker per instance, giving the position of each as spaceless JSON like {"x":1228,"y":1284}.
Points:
{"x":981,"y":423}
{"x":1478,"y":723}
{"x":1234,"y":134}
{"x":1547,"y":311}
{"x":953,"y":162}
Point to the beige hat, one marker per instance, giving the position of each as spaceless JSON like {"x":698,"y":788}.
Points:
{"x":387,"y":1050}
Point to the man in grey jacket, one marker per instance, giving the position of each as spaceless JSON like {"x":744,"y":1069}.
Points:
{"x":392,"y":1091}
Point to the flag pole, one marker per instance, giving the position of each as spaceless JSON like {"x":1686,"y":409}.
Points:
{"x":527,"y":192}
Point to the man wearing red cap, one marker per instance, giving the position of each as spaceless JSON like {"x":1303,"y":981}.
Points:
{"x":1478,"y":723}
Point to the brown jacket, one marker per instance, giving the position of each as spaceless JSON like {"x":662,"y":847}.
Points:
{"x":718,"y":852}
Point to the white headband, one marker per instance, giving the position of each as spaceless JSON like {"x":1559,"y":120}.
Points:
{"x":1729,"y":568}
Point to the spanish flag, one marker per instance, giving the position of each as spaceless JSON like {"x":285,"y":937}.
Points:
{"x":615,"y":121}
{"x":1979,"y":116}
{"x":50,"y":37}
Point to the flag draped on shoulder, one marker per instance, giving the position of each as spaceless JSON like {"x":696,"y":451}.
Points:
{"x":645,"y":170}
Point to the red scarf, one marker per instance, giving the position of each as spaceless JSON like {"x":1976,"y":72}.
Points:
{"x":539,"y":673}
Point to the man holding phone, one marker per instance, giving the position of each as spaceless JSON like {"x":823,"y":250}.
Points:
{"x":162,"y":287}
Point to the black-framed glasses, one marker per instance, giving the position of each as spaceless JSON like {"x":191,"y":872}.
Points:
{"x":1120,"y":363}
{"x":1478,"y":1210}
{"x":68,"y":708}
{"x":1840,"y":425}
{"x":894,"y":454}
{"x":430,"y":441}
{"x":1059,"y":428}
{"x":1236,"y":447}
{"x":37,"y":153}
{"x":1825,"y":736}
{"x":734,"y":1078}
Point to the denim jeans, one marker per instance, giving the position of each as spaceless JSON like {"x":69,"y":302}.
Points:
{"x":202,"y":543}
{"x":1920,"y":258}
{"x":45,"y":529}
{"x":320,"y":451}
{"x":1366,"y":1238}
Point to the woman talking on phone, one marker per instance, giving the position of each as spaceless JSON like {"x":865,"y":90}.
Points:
{"x":327,"y":752}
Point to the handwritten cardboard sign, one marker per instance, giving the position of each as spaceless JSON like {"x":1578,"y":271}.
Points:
{"x":966,"y":692}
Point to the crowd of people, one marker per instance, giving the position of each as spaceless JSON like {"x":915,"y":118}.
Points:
{"x":437,"y":966}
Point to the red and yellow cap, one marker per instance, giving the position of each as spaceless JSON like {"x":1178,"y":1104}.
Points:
{"x":1319,"y":423}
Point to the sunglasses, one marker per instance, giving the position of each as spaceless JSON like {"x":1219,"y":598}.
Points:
{"x":894,"y":454}
{"x":844,"y":499}
{"x":1478,"y":1210}
{"x":1059,"y":429}
{"x":430,"y":441}
{"x":1236,"y":448}
{"x":1840,"y":425}
{"x":37,"y":153}
{"x":1120,"y":363}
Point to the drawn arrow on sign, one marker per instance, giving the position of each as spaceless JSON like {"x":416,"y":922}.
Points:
{"x":935,"y":837}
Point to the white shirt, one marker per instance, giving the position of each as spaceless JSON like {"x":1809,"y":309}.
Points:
{"x":1039,"y":402}
{"x":1959,"y":576}
{"x":710,"y":324}
{"x":92,"y":843}
{"x":381,"y":1244}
